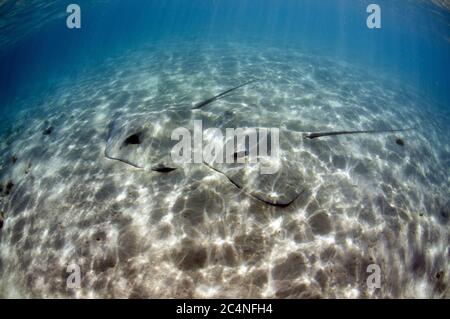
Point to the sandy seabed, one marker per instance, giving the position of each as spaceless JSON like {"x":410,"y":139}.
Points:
{"x":136,"y":233}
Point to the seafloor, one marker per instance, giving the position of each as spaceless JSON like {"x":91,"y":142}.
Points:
{"x":365,"y":199}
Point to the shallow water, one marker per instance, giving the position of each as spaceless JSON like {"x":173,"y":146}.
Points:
{"x":364,"y":199}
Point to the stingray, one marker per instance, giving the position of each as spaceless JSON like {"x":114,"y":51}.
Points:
{"x":285,"y":186}
{"x":281,"y":187}
{"x":220,"y":95}
{"x":138,"y":142}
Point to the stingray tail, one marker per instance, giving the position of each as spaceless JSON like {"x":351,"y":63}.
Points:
{"x":323,"y":134}
{"x":221,"y":95}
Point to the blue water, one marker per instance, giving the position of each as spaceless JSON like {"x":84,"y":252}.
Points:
{"x":412,"y":45}
{"x":72,"y":193}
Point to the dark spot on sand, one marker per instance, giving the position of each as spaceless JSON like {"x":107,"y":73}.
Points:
{"x":104,"y":263}
{"x":2,"y":219}
{"x":100,"y":235}
{"x":418,"y":263}
{"x":48,"y":130}
{"x":228,"y":113}
{"x":444,"y":215}
{"x":400,"y":142}
{"x":439,"y":274}
{"x":134,"y":139}
{"x":27,"y":170}
{"x":9,"y":187}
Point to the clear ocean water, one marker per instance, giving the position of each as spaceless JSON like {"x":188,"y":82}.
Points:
{"x":70,"y":97}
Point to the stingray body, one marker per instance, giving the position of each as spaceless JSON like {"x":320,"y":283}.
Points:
{"x":136,"y":142}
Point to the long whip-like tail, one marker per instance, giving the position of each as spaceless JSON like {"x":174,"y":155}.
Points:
{"x":323,"y":134}
{"x":218,"y":96}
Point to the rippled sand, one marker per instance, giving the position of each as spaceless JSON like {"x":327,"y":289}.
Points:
{"x":191,"y":233}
